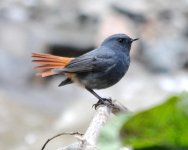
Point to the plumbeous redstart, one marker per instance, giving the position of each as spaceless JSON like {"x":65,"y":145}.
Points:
{"x":98,"y":69}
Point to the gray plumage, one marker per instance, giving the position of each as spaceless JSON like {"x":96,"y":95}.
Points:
{"x":101,"y":67}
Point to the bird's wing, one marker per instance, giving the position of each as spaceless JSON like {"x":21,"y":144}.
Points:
{"x":90,"y":62}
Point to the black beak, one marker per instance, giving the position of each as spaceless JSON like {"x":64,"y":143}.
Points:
{"x":134,"y":39}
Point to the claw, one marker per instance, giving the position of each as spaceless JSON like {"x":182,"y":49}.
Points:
{"x":100,"y":102}
{"x":103,"y":101}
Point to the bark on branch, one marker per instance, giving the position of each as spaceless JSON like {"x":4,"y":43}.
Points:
{"x":88,"y":141}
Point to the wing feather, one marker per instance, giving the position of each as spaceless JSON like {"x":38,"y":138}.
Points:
{"x":90,"y":62}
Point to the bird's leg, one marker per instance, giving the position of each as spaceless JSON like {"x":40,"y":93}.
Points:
{"x":102,"y":101}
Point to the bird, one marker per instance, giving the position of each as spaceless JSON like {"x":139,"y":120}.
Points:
{"x":97,"y":69}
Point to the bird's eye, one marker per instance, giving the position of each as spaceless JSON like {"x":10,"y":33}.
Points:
{"x":120,"y":40}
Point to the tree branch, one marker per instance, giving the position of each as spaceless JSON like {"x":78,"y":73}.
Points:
{"x":89,"y":139}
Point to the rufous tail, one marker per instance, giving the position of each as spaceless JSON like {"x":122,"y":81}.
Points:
{"x":48,"y":62}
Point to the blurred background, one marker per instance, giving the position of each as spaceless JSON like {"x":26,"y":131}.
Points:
{"x":33,"y":109}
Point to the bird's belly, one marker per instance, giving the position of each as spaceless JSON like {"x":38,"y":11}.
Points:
{"x":101,"y":80}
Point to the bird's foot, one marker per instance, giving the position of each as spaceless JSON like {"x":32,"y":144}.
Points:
{"x":103,"y":101}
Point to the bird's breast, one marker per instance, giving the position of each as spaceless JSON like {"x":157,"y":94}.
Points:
{"x":106,"y":78}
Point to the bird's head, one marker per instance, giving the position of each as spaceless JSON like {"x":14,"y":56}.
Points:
{"x":119,"y":41}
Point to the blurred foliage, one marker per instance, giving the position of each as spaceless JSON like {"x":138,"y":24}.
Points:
{"x":163,"y":127}
{"x":109,"y":138}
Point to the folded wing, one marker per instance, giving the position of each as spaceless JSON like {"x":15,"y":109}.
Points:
{"x":89,"y":63}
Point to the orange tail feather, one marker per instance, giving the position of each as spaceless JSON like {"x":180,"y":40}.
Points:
{"x":48,"y":62}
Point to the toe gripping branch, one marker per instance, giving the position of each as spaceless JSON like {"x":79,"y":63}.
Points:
{"x":103,"y":101}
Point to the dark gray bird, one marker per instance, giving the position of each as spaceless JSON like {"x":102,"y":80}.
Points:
{"x":97,"y":69}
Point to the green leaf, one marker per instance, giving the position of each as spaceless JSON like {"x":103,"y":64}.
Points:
{"x":162,"y":127}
